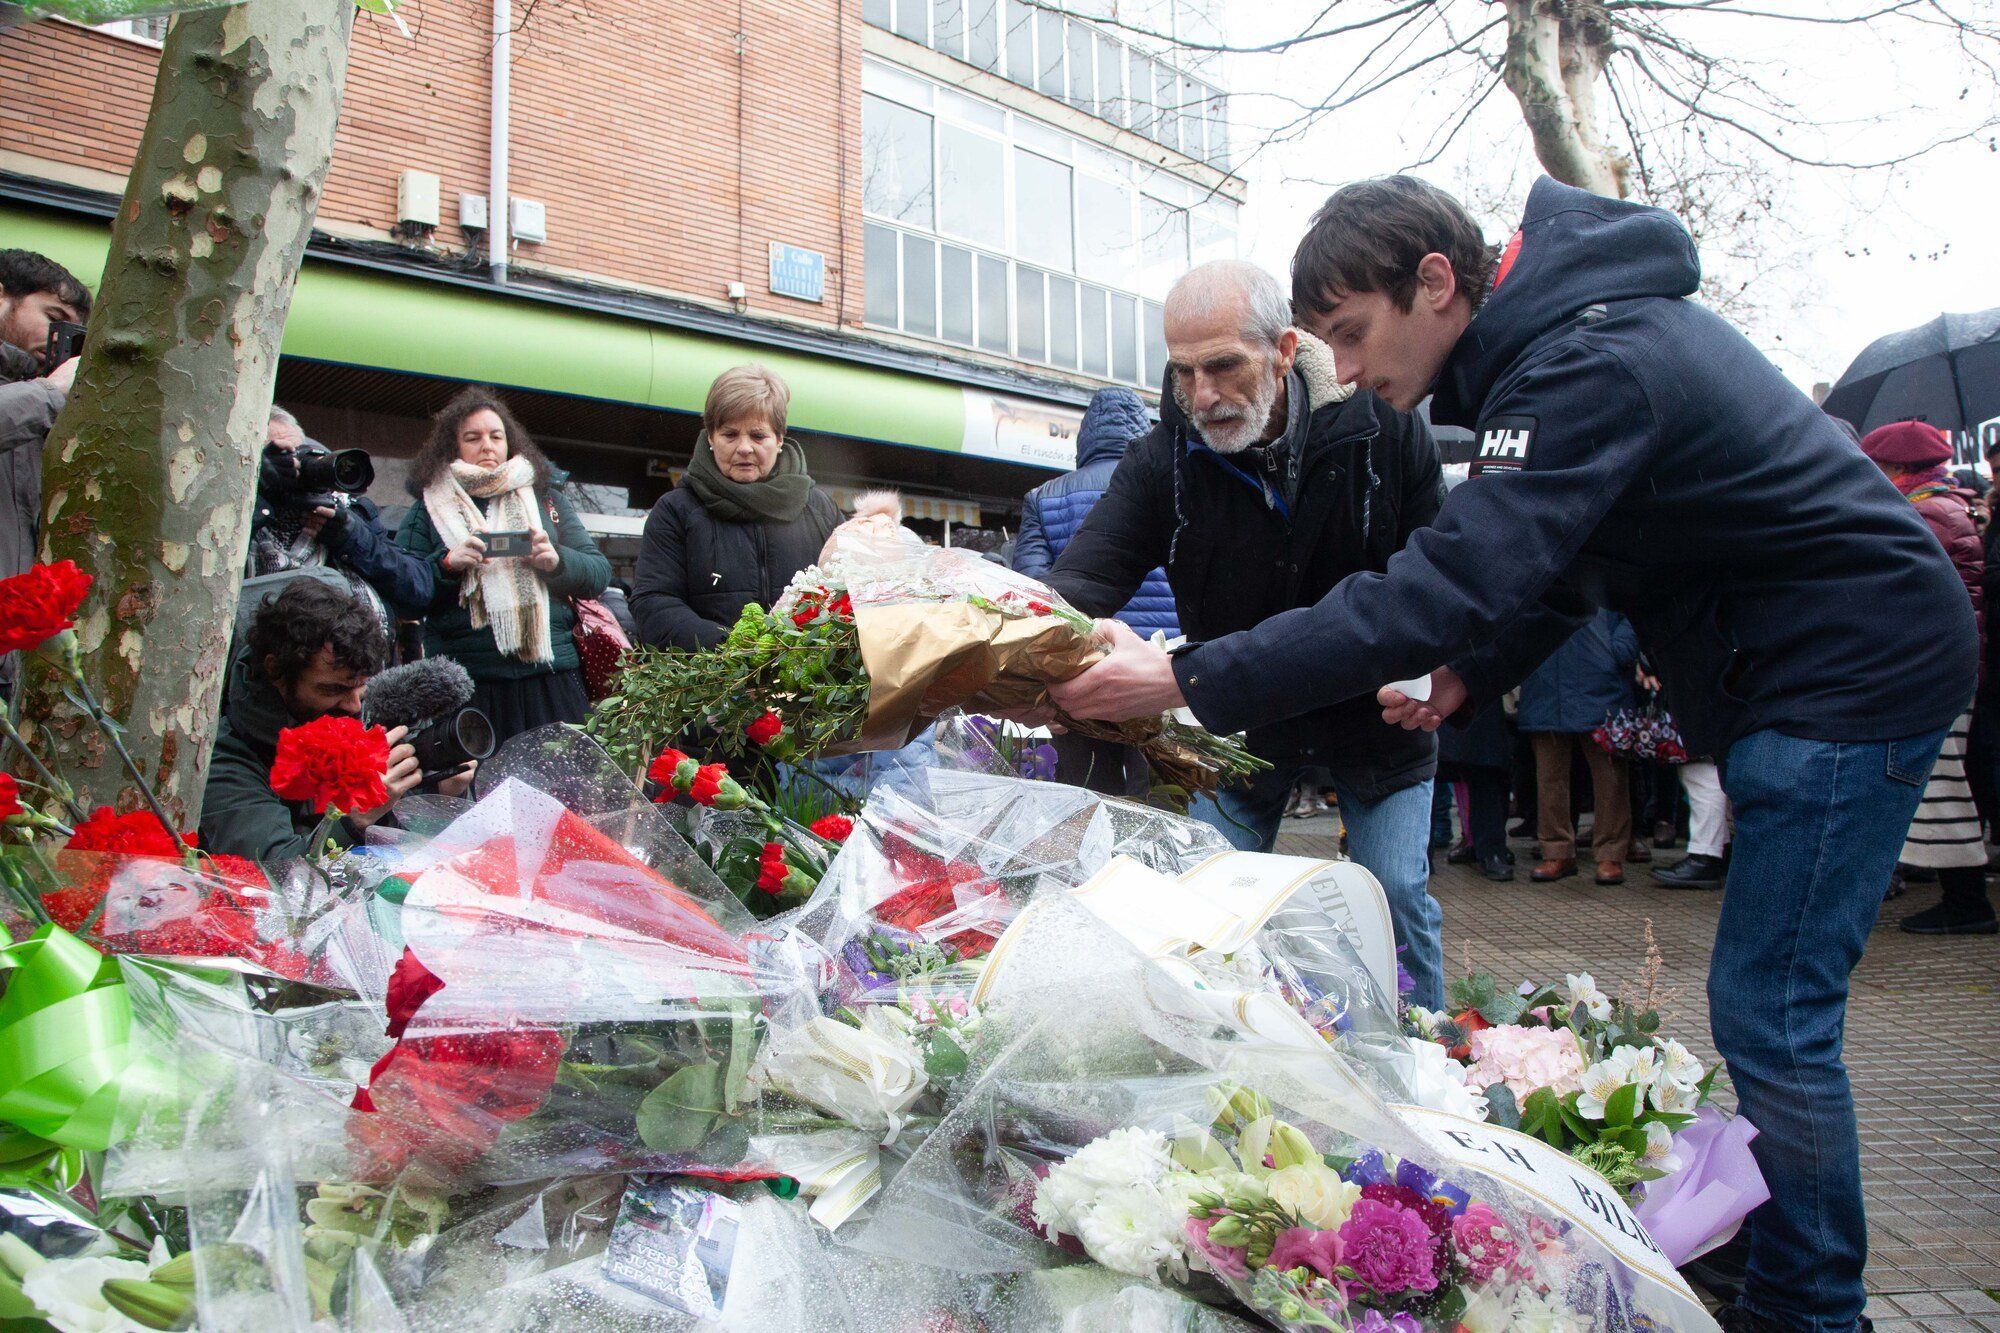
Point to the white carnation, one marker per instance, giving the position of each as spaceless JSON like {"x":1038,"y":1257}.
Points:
{"x":1136,"y":1230}
{"x":1122,"y":1159}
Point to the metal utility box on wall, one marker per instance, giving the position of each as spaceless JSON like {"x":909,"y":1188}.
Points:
{"x":528,"y":219}
{"x":417,"y":198}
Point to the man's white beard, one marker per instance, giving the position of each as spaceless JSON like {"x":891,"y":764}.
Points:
{"x":1242,"y":427}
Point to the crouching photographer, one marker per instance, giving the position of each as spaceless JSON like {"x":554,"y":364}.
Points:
{"x":312,"y":510}
{"x":312,"y":650}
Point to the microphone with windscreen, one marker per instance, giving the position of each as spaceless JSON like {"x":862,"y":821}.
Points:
{"x":431,"y":698}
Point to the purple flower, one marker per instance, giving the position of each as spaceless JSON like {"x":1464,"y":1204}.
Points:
{"x":1039,"y":763}
{"x":1373,"y":1321}
{"x":1368,"y":1169}
{"x":1389,"y":1248}
{"x":1441,"y":1192}
{"x":1406,"y":984}
{"x":1303,"y":1247}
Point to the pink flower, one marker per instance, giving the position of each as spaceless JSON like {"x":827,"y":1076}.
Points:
{"x":1389,"y":1248}
{"x":1222,"y":1260}
{"x":1303,"y":1247}
{"x":1483,"y":1242}
{"x":1525,"y":1059}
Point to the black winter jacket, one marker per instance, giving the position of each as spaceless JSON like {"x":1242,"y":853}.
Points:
{"x":697,"y":572}
{"x":1637,"y":453}
{"x":1236,"y":553}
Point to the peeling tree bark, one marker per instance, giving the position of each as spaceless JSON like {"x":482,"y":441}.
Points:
{"x":1556,"y":52}
{"x":149,"y":473}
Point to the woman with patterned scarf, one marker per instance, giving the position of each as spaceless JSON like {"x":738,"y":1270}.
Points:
{"x":1945,"y":835}
{"x":506,"y":620}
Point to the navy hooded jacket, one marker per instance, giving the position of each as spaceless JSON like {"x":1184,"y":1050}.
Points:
{"x":1635,"y":452}
{"x":1053,"y":511}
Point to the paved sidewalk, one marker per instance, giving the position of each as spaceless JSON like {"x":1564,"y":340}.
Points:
{"x":1923,"y":1047}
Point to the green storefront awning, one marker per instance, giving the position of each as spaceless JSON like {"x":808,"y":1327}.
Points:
{"x":355,"y":317}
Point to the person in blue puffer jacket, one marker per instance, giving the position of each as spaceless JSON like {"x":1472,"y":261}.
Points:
{"x":1050,"y":515}
{"x":1054,"y":510}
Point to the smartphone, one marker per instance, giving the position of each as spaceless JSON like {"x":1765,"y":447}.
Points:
{"x":509,"y":545}
{"x":65,"y":341}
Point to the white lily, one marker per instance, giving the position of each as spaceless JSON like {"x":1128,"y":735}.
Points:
{"x":1660,"y":1147}
{"x":1599,"y":1082}
{"x":1581,"y":989}
{"x":1671,"y":1098}
{"x":1678,"y":1063}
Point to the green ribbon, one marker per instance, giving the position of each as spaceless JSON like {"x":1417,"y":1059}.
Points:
{"x":65,"y":1033}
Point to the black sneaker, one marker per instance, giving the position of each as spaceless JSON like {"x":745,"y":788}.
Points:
{"x":1947,"y":919}
{"x":1498,"y":867}
{"x":1692,"y":872}
{"x":1461,"y":855}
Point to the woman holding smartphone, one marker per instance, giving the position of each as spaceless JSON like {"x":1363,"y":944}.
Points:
{"x":511,"y":555}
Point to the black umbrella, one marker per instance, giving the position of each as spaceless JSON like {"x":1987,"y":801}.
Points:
{"x":1946,"y":372}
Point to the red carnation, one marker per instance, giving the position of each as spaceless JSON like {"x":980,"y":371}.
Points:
{"x":136,"y":833}
{"x":771,"y":868}
{"x":708,"y":784}
{"x":667,"y":773}
{"x":765,"y":729}
{"x":40,"y":604}
{"x":843,"y":607}
{"x":332,"y":761}
{"x":409,"y":986}
{"x":834,"y":828}
{"x":10,"y":797}
{"x":1040,"y":609}
{"x":445,"y":1099}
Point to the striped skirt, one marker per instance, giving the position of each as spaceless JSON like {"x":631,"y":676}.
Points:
{"x":1945,"y":832}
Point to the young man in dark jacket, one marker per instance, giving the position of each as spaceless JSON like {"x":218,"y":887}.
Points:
{"x":309,"y":651}
{"x":1265,"y":484}
{"x":1051,"y":515}
{"x":1637,"y":452}
{"x":34,"y":291}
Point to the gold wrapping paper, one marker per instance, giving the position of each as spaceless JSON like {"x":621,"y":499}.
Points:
{"x":925,"y":657}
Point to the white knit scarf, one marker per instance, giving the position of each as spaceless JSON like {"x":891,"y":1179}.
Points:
{"x":508,"y":594}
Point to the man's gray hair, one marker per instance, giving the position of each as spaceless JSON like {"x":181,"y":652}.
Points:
{"x":280,"y":414}
{"x":1207,"y":288}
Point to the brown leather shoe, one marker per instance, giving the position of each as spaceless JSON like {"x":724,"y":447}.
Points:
{"x":1552,"y":870}
{"x":1610,"y":872}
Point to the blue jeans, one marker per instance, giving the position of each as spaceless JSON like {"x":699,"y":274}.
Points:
{"x":1388,"y":837}
{"x":1818,"y":828}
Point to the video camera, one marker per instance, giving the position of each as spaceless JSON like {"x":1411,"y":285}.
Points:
{"x":313,"y":476}
{"x":65,"y":341}
{"x":433,"y":699}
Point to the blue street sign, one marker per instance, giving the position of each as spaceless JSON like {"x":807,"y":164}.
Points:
{"x":798,"y":272}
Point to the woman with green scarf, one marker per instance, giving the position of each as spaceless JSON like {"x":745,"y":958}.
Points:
{"x":745,"y":518}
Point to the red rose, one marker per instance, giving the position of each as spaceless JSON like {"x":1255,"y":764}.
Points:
{"x":1040,"y":608}
{"x":332,"y":761}
{"x":136,"y":833}
{"x":771,"y":868}
{"x":10,"y":797}
{"x":834,"y":828}
{"x":666,"y":773}
{"x":40,"y":604}
{"x":409,"y":986}
{"x":765,"y":729}
{"x":843,"y":607}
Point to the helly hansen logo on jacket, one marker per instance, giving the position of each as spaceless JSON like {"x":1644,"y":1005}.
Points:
{"x":1504,"y":444}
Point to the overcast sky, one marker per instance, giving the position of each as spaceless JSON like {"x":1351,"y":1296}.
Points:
{"x":1871,"y":253}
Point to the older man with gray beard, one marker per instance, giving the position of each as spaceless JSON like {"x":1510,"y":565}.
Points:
{"x":1266,"y":483}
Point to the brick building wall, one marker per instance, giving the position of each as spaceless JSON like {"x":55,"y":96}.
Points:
{"x":626,"y":117}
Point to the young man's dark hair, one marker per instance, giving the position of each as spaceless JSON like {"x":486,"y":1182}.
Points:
{"x":1369,"y":237}
{"x":23,"y":273}
{"x":289,"y":631}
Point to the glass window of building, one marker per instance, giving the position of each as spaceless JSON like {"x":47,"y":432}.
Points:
{"x":1042,"y":211}
{"x":913,"y":20}
{"x":972,"y":186}
{"x":878,"y":13}
{"x":919,"y":286}
{"x":955,"y":313}
{"x":1166,"y":103}
{"x":1103,"y":229}
{"x":879,"y":253}
{"x":1163,"y":245}
{"x":1030,"y":315}
{"x":1110,"y":80}
{"x":1139,"y":92}
{"x":1049,"y":52}
{"x":982,"y":37}
{"x":1019,"y":21}
{"x":896,"y":162}
{"x":1092,"y":331}
{"x":948,"y":28}
{"x":1124,"y":339}
{"x":1082,"y":67}
{"x":1062,"y":322}
{"x":995,"y":328}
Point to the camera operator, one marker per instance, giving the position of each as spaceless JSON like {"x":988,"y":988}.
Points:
{"x":310,"y":511}
{"x":40,"y":302}
{"x":309,"y":651}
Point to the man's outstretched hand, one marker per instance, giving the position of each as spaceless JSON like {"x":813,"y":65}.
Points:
{"x":1135,"y":680}
{"x":1447,"y":695}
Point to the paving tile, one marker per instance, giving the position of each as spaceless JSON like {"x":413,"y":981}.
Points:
{"x":1923,"y":1021}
